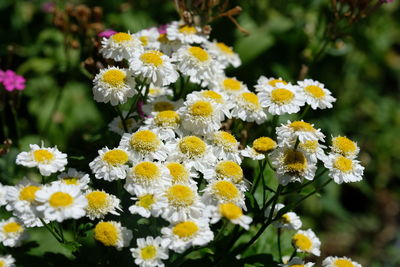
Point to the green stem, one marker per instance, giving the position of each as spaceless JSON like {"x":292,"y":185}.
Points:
{"x":305,"y":111}
{"x":58,"y":238}
{"x":221,"y":231}
{"x":305,"y":184}
{"x":279,"y":244}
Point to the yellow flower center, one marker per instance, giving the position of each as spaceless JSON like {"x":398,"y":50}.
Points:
{"x":343,"y":263}
{"x":144,"y":40}
{"x":178,"y":172}
{"x":302,"y":242}
{"x":168,"y":118}
{"x":343,"y":145}
{"x":154,"y":91}
{"x":12,"y":227}
{"x":97,"y":200}
{"x":115,"y":157}
{"x":186,"y":229}
{"x":187,"y":29}
{"x":199,"y":53}
{"x":264,"y":144}
{"x":70,"y":180}
{"x":162,"y":38}
{"x":231,"y":84}
{"x":146,"y":201}
{"x":230,"y":211}
{"x":180,"y":195}
{"x":28,"y":193}
{"x":295,"y":162}
{"x":310,"y":145}
{"x":106,"y":233}
{"x":281,"y":96}
{"x":60,"y":200}
{"x":315,"y":91}
{"x":192,"y":146}
{"x":152,"y":58}
{"x":230,"y":170}
{"x":114,"y":77}
{"x":146,"y":171}
{"x":148,"y":252}
{"x":251,"y":99}
{"x":275,"y":81}
{"x":224,"y":48}
{"x":226,"y":140}
{"x":129,"y":124}
{"x":145,"y":141}
{"x":121,"y":37}
{"x":301,"y":126}
{"x":42,"y":156}
{"x":2,"y":263}
{"x":226,"y":190}
{"x":343,"y":164}
{"x":163,"y":106}
{"x":297,"y":265}
{"x":212,"y":95}
{"x":201,"y":109}
{"x":285,"y":218}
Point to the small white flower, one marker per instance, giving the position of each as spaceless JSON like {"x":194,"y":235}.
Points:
{"x":260,"y":147}
{"x":148,"y":202}
{"x":288,"y":133}
{"x":229,"y":86}
{"x":227,"y":170}
{"x":161,"y":103}
{"x":117,"y":126}
{"x":290,"y":220}
{"x":267,"y":84}
{"x":148,"y":38}
{"x":223,"y":191}
{"x":296,"y":262}
{"x":58,"y":202}
{"x":3,"y":194}
{"x":225,"y":146}
{"x":112,"y":234}
{"x":282,"y":99}
{"x":149,"y":252}
{"x":342,"y":169}
{"x":48,"y":159}
{"x":316,"y":95}
{"x":180,"y":173}
{"x":306,"y":241}
{"x":223,"y":54}
{"x":121,"y":46}
{"x":7,"y":261}
{"x":113,"y":85}
{"x":166,"y":124}
{"x":312,"y":149}
{"x":74,"y":177}
{"x":185,"y":33}
{"x":344,"y":146}
{"x":217,"y":98}
{"x":180,"y":236}
{"x":332,"y":261}
{"x":12,"y":232}
{"x":249,"y":152}
{"x":111,"y":164}
{"x":231,"y":212}
{"x":101,"y":203}
{"x":248,"y":108}
{"x":157,"y":91}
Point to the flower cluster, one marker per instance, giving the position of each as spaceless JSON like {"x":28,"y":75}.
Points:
{"x":12,"y":81}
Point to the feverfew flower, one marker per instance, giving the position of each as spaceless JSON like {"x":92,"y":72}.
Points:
{"x":185,"y":33}
{"x":313,"y":149}
{"x":117,"y":126}
{"x":113,"y":85}
{"x":148,"y":38}
{"x":12,"y":232}
{"x":154,"y":67}
{"x":217,"y":98}
{"x":157,"y":91}
{"x":248,"y":108}
{"x":166,"y":124}
{"x":121,"y":46}
{"x":282,"y":99}
{"x":229,"y":86}
{"x":180,"y":236}
{"x":161,"y":103}
{"x":180,"y":173}
{"x":260,"y":147}
{"x":265,"y":84}
{"x":232,"y":212}
{"x":339,"y":262}
{"x":223,"y":54}
{"x":306,"y":241}
{"x":101,"y":203}
{"x":148,"y":202}
{"x":344,"y":146}
{"x":149,"y":252}
{"x":7,"y":261}
{"x":74,"y":177}
{"x":58,"y":202}
{"x":304,"y":131}
{"x":316,"y":95}
{"x":342,"y":169}
{"x":223,"y":191}
{"x":228,"y":170}
{"x":225,"y":146}
{"x":112,"y":234}
{"x":111,"y":164}
{"x":290,"y":220}
{"x":48,"y":159}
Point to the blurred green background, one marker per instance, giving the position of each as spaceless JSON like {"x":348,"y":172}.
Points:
{"x":359,"y":63}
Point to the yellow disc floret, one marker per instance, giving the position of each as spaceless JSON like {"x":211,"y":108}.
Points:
{"x":213,"y":96}
{"x":192,"y":146}
{"x":107,"y":233}
{"x":230,"y":211}
{"x":344,"y":146}
{"x":115,"y":157}
{"x":168,"y":118}
{"x":301,"y":126}
{"x":201,"y":109}
{"x":302,"y":242}
{"x":185,"y":230}
{"x":28,"y":193}
{"x":315,"y":91}
{"x":226,"y":190}
{"x":199,"y":53}
{"x":178,"y":172}
{"x":152,"y":58}
{"x":146,"y":171}
{"x":343,"y":164}
{"x":43,"y":156}
{"x":144,"y":40}
{"x":229,"y":170}
{"x":275,"y":81}
{"x":187,"y":29}
{"x":251,"y":100}
{"x":12,"y":227}
{"x":309,"y":145}
{"x":180,"y":195}
{"x":121,"y":37}
{"x":226,"y":140}
{"x":70,"y":180}
{"x":60,"y":200}
{"x":343,"y":263}
{"x":146,"y":201}
{"x":145,"y":141}
{"x":294,"y":162}
{"x":224,"y":48}
{"x":114,"y":77}
{"x":264,"y":144}
{"x":281,"y":96}
{"x":148,"y":252}
{"x":163,"y":106}
{"x":97,"y":200}
{"x":231,"y":84}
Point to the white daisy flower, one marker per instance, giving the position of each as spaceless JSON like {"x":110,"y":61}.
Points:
{"x":282,"y":99}
{"x":223,"y":191}
{"x":112,"y":234}
{"x":201,"y":117}
{"x":197,"y":63}
{"x":223,"y":54}
{"x":248,"y":108}
{"x":148,"y":202}
{"x":266,"y":84}
{"x":180,"y":173}
{"x":259,"y":148}
{"x":193,"y":151}
{"x":229,"y":86}
{"x":296,"y":262}
{"x":292,"y":165}
{"x":121,"y":46}
{"x":183,"y":203}
{"x":306,"y":241}
{"x":161,"y":104}
{"x":7,"y":261}
{"x":232,"y":212}
{"x":114,"y":85}
{"x":148,"y":38}
{"x":74,"y":177}
{"x":180,"y":236}
{"x":166,"y":124}
{"x":146,"y":174}
{"x":58,"y":202}
{"x":185,"y":33}
{"x":291,"y":131}
{"x":332,"y":261}
{"x":3,"y":194}
{"x":209,"y":95}
{"x":111,"y":164}
{"x":144,"y":145}
{"x":48,"y":159}
{"x":100,"y":203}
{"x":290,"y":220}
{"x":312,"y":149}
{"x":227,"y":170}
{"x":12,"y":232}
{"x":344,"y":146}
{"x":225,"y":146}
{"x":117,"y":126}
{"x":168,"y":46}
{"x":342,"y":169}
{"x":157,"y":91}
{"x":149,"y":252}
{"x":154,"y":67}
{"x":316,"y":95}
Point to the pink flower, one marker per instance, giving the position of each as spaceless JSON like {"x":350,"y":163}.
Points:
{"x":162,"y":29}
{"x":48,"y":7}
{"x":107,"y":33}
{"x":12,"y":81}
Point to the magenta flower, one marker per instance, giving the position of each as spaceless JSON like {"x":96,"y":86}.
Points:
{"x":12,"y":81}
{"x":48,"y":7}
{"x":107,"y":33}
{"x":162,"y":29}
